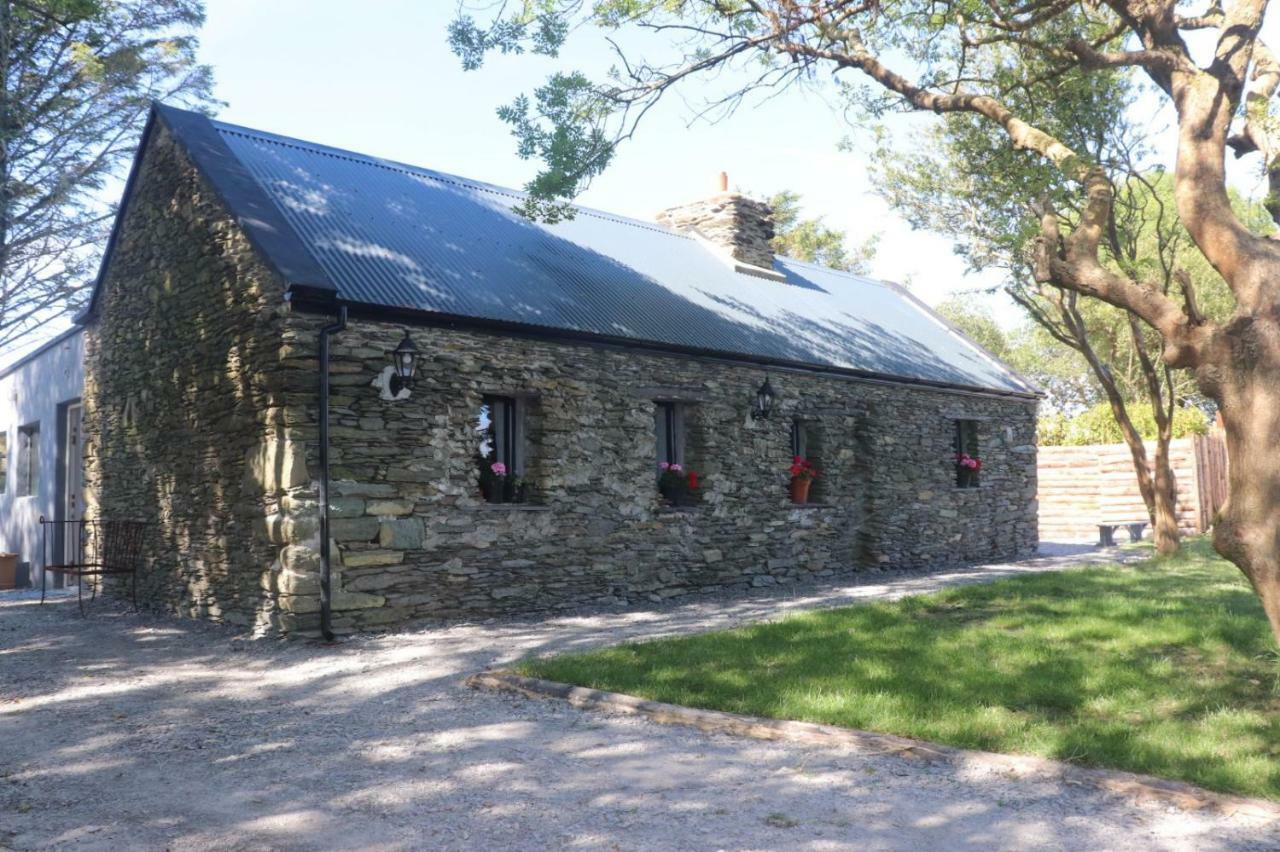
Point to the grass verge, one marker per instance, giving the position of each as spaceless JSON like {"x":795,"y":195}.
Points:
{"x":1165,"y":668}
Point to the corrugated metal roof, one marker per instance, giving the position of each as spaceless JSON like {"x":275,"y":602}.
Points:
{"x":398,"y":236}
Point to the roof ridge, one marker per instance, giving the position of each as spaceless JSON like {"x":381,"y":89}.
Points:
{"x":423,"y":171}
{"x":855,"y":276}
{"x":348,"y":155}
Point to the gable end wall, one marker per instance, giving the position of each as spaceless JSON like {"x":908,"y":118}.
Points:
{"x":185,"y":424}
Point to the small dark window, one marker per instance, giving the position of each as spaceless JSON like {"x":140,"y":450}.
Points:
{"x":500,"y":452}
{"x":668,"y":426}
{"x":968,"y":460}
{"x":806,"y":442}
{"x":676,"y":479}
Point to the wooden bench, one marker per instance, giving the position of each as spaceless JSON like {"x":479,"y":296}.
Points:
{"x":87,"y":548}
{"x":1107,"y":532}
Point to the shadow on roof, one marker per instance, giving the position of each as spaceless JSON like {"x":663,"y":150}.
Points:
{"x":397,"y":237}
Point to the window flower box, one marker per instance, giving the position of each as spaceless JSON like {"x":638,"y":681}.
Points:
{"x":678,"y":486}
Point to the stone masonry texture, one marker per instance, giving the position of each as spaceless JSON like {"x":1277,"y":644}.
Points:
{"x":742,"y":225}
{"x":185,"y":419}
{"x":201,"y":416}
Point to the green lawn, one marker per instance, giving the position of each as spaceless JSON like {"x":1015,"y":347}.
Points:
{"x":1166,"y":668}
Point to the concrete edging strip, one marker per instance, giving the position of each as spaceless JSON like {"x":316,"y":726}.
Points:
{"x":1138,"y":787}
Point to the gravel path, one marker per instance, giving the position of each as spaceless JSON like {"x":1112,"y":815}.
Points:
{"x":128,"y":731}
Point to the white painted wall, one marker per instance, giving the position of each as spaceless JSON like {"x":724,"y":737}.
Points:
{"x":30,"y":392}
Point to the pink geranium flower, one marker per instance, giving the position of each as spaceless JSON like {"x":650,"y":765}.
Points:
{"x":498,"y":468}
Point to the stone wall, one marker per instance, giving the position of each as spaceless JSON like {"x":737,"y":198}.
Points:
{"x":184,"y":417}
{"x":412,"y":528}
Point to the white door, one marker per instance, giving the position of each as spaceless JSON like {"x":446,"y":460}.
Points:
{"x":73,"y":482}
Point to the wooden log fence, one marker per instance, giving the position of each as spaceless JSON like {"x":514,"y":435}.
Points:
{"x":1081,"y":487}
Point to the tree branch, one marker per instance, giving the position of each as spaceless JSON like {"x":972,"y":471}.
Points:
{"x":1206,"y":102}
{"x":1159,"y":59}
{"x":1072,"y":262}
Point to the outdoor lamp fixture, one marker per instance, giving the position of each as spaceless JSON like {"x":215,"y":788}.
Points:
{"x":404,"y":361}
{"x":764,"y":401}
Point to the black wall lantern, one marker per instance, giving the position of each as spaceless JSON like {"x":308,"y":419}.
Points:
{"x":404,"y":361}
{"x":764,"y":401}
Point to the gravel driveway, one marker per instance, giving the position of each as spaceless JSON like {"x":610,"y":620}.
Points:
{"x":127,"y":731}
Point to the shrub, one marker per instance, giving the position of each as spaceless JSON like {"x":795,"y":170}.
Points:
{"x":1097,"y":425}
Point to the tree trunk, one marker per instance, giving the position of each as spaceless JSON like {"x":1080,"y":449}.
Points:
{"x":1157,"y":492}
{"x":1156,"y":485}
{"x":1247,"y":530}
{"x":1164,"y":500}
{"x":1164,"y":489}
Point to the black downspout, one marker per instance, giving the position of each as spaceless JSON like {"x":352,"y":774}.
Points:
{"x":326,"y":576}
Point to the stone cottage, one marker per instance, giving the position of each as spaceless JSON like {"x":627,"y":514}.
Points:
{"x":239,"y":366}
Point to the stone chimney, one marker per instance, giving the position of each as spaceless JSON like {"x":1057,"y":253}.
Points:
{"x":740,"y":225}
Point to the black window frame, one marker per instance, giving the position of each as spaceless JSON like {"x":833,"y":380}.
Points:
{"x":799,"y":439}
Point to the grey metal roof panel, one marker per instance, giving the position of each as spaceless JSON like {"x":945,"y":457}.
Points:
{"x":398,"y":236}
{"x":254,"y":210}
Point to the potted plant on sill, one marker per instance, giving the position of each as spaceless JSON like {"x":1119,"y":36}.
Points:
{"x":967,"y":468}
{"x":803,"y":473}
{"x":498,"y":485}
{"x":678,"y":486}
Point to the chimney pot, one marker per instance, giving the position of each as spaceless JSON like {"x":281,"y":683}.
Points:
{"x":724,"y":181}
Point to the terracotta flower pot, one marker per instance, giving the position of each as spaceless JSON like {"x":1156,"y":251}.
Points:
{"x":800,"y":489}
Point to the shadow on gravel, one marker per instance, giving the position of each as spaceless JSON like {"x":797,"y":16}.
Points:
{"x":132,"y":731}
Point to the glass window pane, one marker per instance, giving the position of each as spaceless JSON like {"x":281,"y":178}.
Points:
{"x":662,"y":431}
{"x":501,"y":432}
{"x":799,"y":439}
{"x":496,"y":432}
{"x":484,"y":431}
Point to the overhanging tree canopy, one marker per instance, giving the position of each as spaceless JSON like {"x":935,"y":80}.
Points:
{"x":945,"y":56}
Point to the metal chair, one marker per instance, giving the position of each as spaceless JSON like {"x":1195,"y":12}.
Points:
{"x":92,"y":549}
